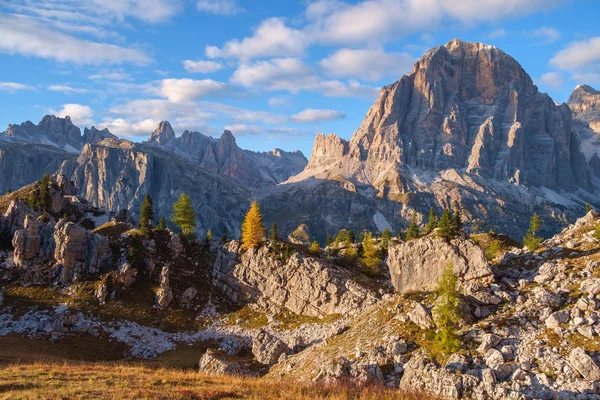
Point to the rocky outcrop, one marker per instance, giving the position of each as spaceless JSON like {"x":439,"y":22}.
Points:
{"x":26,"y":242}
{"x":164,"y":295}
{"x":327,"y":150}
{"x":418,"y":265}
{"x":215,"y":362}
{"x":304,"y":285}
{"x":79,"y":253}
{"x":267,"y":348}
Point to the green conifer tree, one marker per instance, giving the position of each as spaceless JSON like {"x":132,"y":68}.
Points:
{"x":386,"y":236}
{"x":351,"y":237}
{"x":9,"y":191}
{"x":315,"y":248}
{"x":146,"y":215}
{"x":457,"y":223}
{"x":432,"y":222}
{"x":224,"y":237}
{"x":162,"y":223}
{"x":184,"y":216}
{"x":446,"y":225}
{"x":447,"y":313}
{"x":531,"y":240}
{"x":44,"y":199}
{"x":274,"y":233}
{"x":329,"y":240}
{"x":588,"y":208}
{"x":413,"y":229}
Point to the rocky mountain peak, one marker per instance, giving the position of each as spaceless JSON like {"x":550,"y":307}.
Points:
{"x":327,"y":150}
{"x":584,"y":99}
{"x":228,"y":138}
{"x":163,"y":133}
{"x":51,"y":130}
{"x":94,"y":135}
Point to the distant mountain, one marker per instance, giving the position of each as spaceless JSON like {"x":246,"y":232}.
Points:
{"x":117,"y":174}
{"x":466,"y":125}
{"x":585,"y":103}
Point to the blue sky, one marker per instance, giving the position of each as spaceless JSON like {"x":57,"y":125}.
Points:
{"x":274,"y":72}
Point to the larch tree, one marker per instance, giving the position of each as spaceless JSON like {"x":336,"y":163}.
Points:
{"x":253,"y":230}
{"x":184,"y":216}
{"x":44,"y":199}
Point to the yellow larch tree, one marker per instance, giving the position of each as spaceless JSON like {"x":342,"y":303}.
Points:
{"x":253,"y":230}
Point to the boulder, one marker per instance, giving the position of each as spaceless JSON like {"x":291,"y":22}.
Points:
{"x":421,"y":316}
{"x":79,"y":252}
{"x":584,"y":364}
{"x":164,"y":295}
{"x":558,"y":318}
{"x":26,"y":241}
{"x":267,"y":348}
{"x":216,"y":362}
{"x":418,"y":265}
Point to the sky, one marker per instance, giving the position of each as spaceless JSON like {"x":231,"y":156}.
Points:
{"x":274,"y":72}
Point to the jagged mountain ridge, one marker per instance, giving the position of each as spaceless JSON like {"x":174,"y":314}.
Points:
{"x":116,"y":174}
{"x":467,"y":125}
{"x":585,"y":104}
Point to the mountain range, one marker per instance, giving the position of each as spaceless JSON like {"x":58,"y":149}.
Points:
{"x":467,"y":125}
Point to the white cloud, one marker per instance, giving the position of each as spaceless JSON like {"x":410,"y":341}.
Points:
{"x":546,"y":34}
{"x":293,"y":75}
{"x":13,"y":87}
{"x":271,"y":39}
{"x":367,"y":64}
{"x":23,"y":35}
{"x":478,"y":11}
{"x":289,"y":74}
{"x":278,"y":101}
{"x":552,"y":80}
{"x":578,"y":55}
{"x":219,"y":7}
{"x":204,"y":67}
{"x":311,"y":115}
{"x":127,"y":129}
{"x":111,"y":75}
{"x":152,"y":11}
{"x":352,"y":89}
{"x":184,"y":90}
{"x":496,"y":34}
{"x":80,"y":115}
{"x":245,"y":129}
{"x":67,"y":89}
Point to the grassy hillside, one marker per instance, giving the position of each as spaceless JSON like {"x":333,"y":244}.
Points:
{"x":119,"y":381}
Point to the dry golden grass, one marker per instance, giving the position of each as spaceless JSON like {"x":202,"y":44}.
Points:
{"x":119,"y":381}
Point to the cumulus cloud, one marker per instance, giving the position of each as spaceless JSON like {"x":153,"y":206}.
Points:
{"x":271,"y":39}
{"x":184,"y":90}
{"x":245,"y":129}
{"x":219,"y":7}
{"x":278,"y":101}
{"x":578,"y":55}
{"x":311,"y":115}
{"x":368,"y":64}
{"x":13,"y":87}
{"x":546,"y":34}
{"x":67,"y":89}
{"x":552,"y":80}
{"x":80,"y":115}
{"x":201,"y":66}
{"x":25,"y":36}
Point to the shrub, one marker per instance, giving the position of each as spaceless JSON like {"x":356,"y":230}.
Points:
{"x":492,"y":250}
{"x":315,"y":248}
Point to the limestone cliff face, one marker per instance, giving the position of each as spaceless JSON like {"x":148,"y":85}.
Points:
{"x":304,"y":285}
{"x":223,"y":156}
{"x":585,"y":104}
{"x":471,"y":106}
{"x":118,"y":174}
{"x":22,"y":164}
